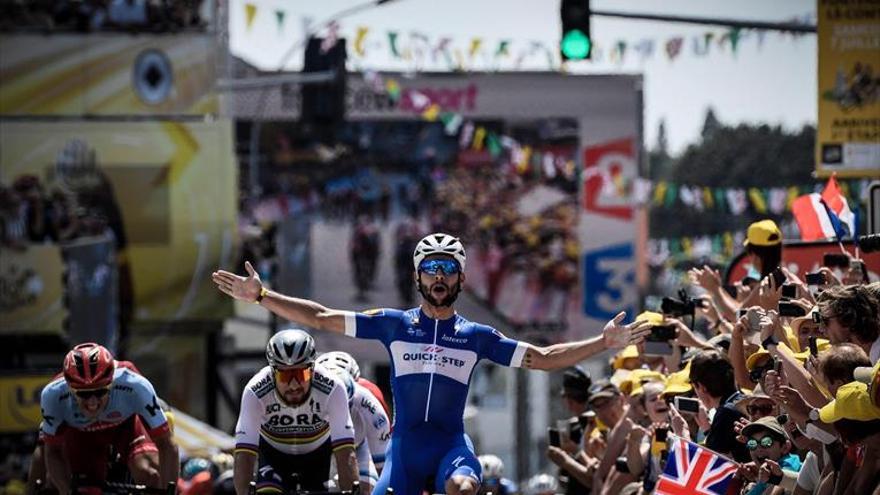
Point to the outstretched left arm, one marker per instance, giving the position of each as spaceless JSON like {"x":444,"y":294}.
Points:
{"x":614,"y":336}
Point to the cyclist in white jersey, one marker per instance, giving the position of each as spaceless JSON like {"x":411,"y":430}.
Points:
{"x":433,"y":353}
{"x":294,"y":417}
{"x":372,"y":430}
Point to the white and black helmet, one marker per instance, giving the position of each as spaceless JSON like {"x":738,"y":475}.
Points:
{"x":439,"y":243}
{"x":342,"y":360}
{"x":291,"y":348}
{"x":491,"y":465}
{"x":540,"y":484}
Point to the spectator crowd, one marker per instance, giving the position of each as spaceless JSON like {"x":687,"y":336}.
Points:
{"x":779,"y":375}
{"x":100,"y":15}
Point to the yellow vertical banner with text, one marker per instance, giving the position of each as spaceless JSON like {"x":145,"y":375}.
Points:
{"x":848,"y":133}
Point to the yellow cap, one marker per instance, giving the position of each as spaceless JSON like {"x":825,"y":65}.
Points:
{"x":679,"y":382}
{"x":651,"y":317}
{"x":627,"y":352}
{"x":821,"y":346}
{"x":636,"y":378}
{"x":852,"y":402}
{"x":763,"y":233}
{"x":752,"y":361}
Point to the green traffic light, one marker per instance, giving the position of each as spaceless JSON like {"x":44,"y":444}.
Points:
{"x":575,"y":45}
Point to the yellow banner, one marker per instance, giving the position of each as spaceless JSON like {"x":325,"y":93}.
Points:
{"x":848,"y":133}
{"x":20,"y":402}
{"x":108,"y":74}
{"x":166,"y":190}
{"x":30,"y":300}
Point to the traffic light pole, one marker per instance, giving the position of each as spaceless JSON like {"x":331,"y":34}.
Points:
{"x":712,"y":21}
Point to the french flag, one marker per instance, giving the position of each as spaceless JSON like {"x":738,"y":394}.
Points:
{"x":823,"y":216}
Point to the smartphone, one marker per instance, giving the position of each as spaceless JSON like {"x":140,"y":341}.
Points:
{"x":662,"y":333}
{"x":553,"y":437}
{"x":730,"y":289}
{"x":575,"y":430}
{"x":587,"y":419}
{"x":777,"y":366}
{"x":814,"y":350}
{"x":815,"y":278}
{"x":778,"y":277}
{"x":621,"y":466}
{"x":754,"y":320}
{"x":687,"y":405}
{"x":817,"y":318}
{"x":838,"y":260}
{"x":661,"y":434}
{"x":789,"y":291}
{"x":790,"y":309}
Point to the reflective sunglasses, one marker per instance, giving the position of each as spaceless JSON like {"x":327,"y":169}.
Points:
{"x":285,"y":375}
{"x":431,"y":267}
{"x":765,"y":442}
{"x":97,"y":393}
{"x":760,"y":410}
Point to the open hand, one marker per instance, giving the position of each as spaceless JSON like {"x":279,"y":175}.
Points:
{"x":617,"y":336}
{"x":242,"y":288}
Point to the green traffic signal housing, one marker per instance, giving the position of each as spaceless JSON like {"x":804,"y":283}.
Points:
{"x":575,"y":43}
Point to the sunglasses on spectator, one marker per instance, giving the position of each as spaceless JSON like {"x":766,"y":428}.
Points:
{"x":285,"y":375}
{"x":432,"y":267}
{"x":765,"y":442}
{"x":760,"y":410}
{"x":87,"y":394}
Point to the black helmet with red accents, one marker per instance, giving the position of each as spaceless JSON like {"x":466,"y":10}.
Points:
{"x":89,"y":366}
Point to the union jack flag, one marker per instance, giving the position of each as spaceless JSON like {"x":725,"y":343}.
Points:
{"x":694,"y":470}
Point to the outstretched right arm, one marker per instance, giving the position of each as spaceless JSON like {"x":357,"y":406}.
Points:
{"x":302,"y":311}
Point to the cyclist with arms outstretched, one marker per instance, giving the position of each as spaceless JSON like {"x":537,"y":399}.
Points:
{"x":433,"y":353}
{"x":294,"y":417}
{"x":96,"y":405}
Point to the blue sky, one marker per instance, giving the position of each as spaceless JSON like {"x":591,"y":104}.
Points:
{"x":772,"y":81}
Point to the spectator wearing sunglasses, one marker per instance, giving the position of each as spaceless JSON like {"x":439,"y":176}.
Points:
{"x":852,"y":314}
{"x":772,"y":464}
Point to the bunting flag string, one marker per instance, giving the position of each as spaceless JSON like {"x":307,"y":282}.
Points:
{"x":522,"y":159}
{"x":482,"y":53}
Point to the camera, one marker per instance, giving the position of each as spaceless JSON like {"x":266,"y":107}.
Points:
{"x":682,"y":306}
{"x":790,"y":309}
{"x":835,"y":260}
{"x":869,"y":243}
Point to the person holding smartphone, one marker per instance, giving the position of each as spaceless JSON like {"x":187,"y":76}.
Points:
{"x":645,"y":446}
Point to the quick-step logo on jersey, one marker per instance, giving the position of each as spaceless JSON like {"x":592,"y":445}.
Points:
{"x":414,"y":358}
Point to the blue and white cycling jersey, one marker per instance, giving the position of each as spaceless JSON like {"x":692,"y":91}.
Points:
{"x":432,"y":361}
{"x":130,"y":394}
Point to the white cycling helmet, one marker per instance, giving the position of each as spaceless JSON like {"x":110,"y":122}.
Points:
{"x":541,"y":484}
{"x":491,"y":465}
{"x":291,"y":348}
{"x":342,"y":360}
{"x":439,"y":243}
{"x":343,"y":376}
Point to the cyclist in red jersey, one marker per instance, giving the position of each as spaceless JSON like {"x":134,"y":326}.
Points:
{"x":37,"y":470}
{"x":97,"y":405}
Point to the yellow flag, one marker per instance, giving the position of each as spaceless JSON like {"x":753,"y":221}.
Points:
{"x":687,"y":245}
{"x":758,"y":200}
{"x":479,"y":137}
{"x":659,"y":192}
{"x":792,"y":195}
{"x":708,"y":199}
{"x":250,"y":11}
{"x":430,"y":114}
{"x":359,"y":40}
{"x":475,"y":46}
